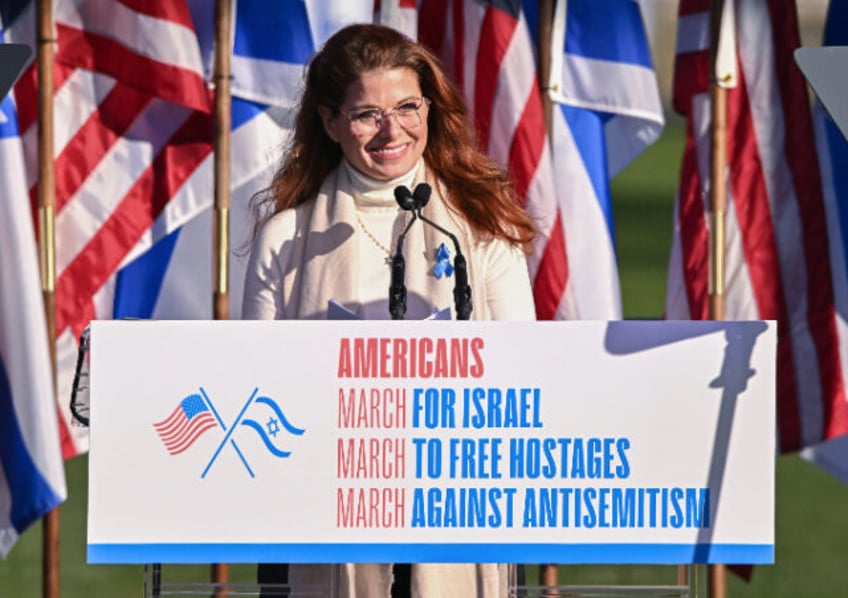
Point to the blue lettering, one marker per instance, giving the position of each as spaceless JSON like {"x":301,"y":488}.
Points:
{"x":623,"y":507}
{"x":594,"y":456}
{"x":418,"y":443}
{"x":548,"y":507}
{"x":623,"y":469}
{"x":590,"y":518}
{"x":577,"y":462}
{"x":418,"y":519}
{"x":516,"y":458}
{"x":529,"y":519}
{"x":697,"y":507}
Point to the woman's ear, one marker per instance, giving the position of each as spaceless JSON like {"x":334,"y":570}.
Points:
{"x":330,"y":122}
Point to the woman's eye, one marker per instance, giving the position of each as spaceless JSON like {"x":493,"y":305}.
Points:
{"x":366,"y":115}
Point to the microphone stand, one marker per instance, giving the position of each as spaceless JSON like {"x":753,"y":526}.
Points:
{"x":461,"y":289}
{"x":415,"y":202}
{"x":397,"y":288}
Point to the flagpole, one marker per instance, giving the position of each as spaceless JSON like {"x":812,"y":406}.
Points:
{"x":221,"y":240}
{"x":547,"y":572}
{"x":47,"y":254}
{"x":221,"y":216}
{"x":722,"y":76}
{"x":718,"y":167}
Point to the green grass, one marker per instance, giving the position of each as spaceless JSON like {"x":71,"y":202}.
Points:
{"x":811,"y":528}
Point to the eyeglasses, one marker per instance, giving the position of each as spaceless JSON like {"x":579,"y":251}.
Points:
{"x":370,"y":120}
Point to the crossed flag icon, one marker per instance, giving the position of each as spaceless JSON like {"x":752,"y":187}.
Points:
{"x":196,"y":414}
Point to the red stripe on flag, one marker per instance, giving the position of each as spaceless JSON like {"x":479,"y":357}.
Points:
{"x":66,"y":440}
{"x":552,"y":276}
{"x":175,"y":12}
{"x":459,"y":50}
{"x":432,"y":25}
{"x":528,"y":143}
{"x":803,"y":163}
{"x":26,"y":98}
{"x":26,"y":93}
{"x":496,"y":32}
{"x":87,"y":273}
{"x":759,"y":243}
{"x":94,"y":52}
{"x":693,"y":235}
{"x":690,"y":7}
{"x":176,"y":450}
{"x":691,"y":77}
{"x":95,"y":139}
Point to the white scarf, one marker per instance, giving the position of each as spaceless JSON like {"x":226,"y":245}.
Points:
{"x":328,"y":258}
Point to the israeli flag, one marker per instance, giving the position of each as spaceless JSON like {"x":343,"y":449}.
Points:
{"x":832,"y":456}
{"x":607,"y":111}
{"x":32,"y":475}
{"x":266,"y":418}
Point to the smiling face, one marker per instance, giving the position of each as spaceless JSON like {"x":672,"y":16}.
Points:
{"x":391,"y":150}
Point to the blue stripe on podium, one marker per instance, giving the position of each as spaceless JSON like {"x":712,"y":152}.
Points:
{"x":756,"y":554}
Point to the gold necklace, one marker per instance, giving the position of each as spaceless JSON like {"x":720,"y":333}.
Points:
{"x":375,"y":240}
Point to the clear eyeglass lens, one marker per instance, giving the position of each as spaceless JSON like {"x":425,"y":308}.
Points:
{"x":407,"y":114}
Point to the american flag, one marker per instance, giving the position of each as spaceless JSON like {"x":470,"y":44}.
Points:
{"x":488,"y":50}
{"x":132,"y":124}
{"x":186,"y":424}
{"x":777,"y":261}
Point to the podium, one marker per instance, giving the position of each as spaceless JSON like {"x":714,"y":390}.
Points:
{"x":379,"y":442}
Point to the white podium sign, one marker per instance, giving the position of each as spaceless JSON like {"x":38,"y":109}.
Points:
{"x":566,"y":442}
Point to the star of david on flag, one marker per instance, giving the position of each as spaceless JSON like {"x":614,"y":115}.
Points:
{"x":268,"y":421}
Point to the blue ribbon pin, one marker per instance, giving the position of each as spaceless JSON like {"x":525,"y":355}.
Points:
{"x":443,"y":266}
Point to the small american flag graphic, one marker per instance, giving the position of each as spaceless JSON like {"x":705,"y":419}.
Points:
{"x":186,"y":424}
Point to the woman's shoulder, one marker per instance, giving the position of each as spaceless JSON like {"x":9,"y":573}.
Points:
{"x":278,"y":226}
{"x":283,"y":224}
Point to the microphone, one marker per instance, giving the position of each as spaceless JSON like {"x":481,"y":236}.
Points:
{"x":461,"y":289}
{"x":397,"y":286}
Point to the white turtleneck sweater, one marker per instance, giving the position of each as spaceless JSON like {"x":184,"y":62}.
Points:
{"x":380,"y":220}
{"x":379,"y":223}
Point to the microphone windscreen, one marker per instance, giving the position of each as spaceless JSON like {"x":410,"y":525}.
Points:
{"x":422,"y":195}
{"x":404,"y":198}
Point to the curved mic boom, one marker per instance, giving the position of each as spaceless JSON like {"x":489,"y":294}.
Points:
{"x":461,"y":288}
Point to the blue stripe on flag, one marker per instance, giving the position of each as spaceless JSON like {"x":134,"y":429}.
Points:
{"x":838,"y":150}
{"x":137,"y":285}
{"x":836,"y":34}
{"x":587,"y":128}
{"x":11,"y":10}
{"x":244,"y":110}
{"x":281,"y":34}
{"x":25,"y":494}
{"x":31,"y":495}
{"x":8,"y":116}
{"x":607,"y":30}
{"x":8,"y":120}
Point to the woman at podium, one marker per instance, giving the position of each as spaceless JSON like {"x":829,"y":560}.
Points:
{"x":383,"y":163}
